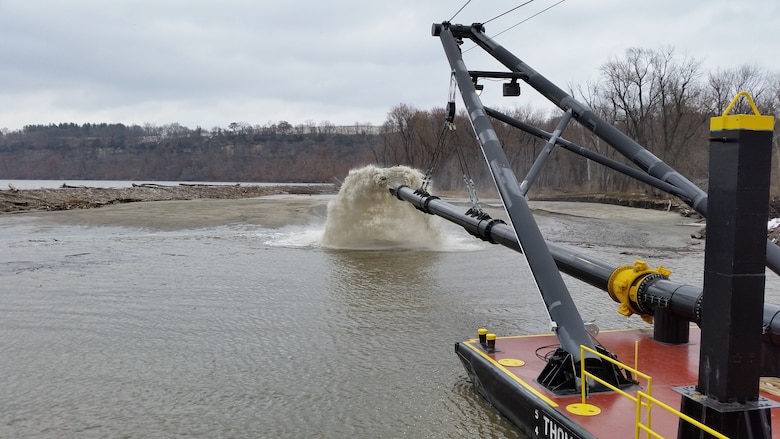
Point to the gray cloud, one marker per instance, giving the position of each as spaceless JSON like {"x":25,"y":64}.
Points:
{"x":208,"y":63}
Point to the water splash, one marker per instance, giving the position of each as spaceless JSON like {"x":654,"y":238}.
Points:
{"x":365,"y":215}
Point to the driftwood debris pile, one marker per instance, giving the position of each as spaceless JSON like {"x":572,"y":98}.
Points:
{"x":82,"y":197}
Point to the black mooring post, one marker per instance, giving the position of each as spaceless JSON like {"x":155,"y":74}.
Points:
{"x":727,"y":395}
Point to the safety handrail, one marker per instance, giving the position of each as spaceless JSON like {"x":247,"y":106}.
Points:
{"x":641,"y":399}
{"x":646,"y":428}
{"x":584,"y":373}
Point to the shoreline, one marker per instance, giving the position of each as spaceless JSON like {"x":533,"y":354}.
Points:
{"x":14,"y":201}
{"x":668,"y":204}
{"x":86,"y":197}
{"x":68,"y":198}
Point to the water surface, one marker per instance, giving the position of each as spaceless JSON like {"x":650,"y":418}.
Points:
{"x":227,"y":318}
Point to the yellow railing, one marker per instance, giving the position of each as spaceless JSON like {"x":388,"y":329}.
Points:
{"x":584,"y":374}
{"x":641,"y":399}
{"x":650,"y":401}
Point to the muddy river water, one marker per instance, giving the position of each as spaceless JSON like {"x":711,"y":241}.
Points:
{"x":228,"y":318}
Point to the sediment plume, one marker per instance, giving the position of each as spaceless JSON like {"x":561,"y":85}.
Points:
{"x":365,"y":215}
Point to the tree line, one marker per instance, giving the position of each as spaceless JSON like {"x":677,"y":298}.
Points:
{"x":275,"y":152}
{"x":661,"y":100}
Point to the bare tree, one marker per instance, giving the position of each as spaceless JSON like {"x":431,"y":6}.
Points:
{"x":403,"y":130}
{"x":657,"y":100}
{"x":724,"y":84}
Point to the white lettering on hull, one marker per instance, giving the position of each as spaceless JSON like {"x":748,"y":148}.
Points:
{"x":549,"y":428}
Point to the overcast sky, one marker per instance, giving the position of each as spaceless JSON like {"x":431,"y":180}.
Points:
{"x":210,"y":63}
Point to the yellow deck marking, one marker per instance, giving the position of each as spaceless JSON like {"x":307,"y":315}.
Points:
{"x":528,"y":387}
{"x":511,"y":362}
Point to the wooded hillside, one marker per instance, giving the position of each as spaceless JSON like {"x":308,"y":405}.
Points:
{"x":173,"y":152}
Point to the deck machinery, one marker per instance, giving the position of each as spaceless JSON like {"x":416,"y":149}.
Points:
{"x":738,"y":336}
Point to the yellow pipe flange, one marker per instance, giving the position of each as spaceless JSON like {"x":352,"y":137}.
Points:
{"x":624,"y":283}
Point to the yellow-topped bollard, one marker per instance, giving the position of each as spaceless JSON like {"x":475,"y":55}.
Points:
{"x":482,"y":334}
{"x":491,"y":342}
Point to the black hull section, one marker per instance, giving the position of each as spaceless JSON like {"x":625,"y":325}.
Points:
{"x":531,"y":414}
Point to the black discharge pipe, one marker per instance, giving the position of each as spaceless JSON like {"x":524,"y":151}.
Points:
{"x":691,"y":194}
{"x":683,"y":301}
